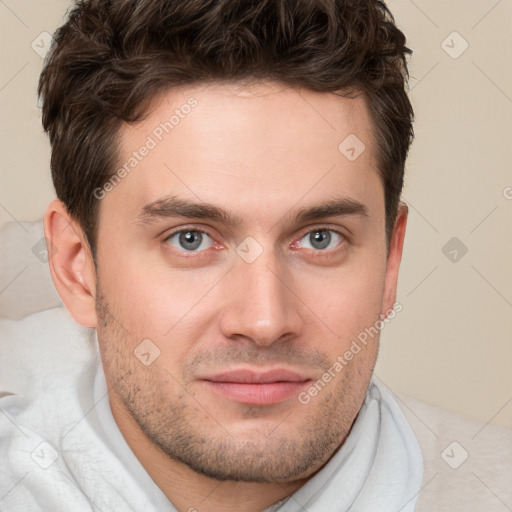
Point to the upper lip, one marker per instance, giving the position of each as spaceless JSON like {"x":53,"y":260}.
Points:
{"x":257,"y":377}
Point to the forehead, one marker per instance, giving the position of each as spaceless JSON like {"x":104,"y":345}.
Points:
{"x":257,"y":147}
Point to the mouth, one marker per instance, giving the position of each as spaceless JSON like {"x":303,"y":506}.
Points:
{"x":257,"y":387}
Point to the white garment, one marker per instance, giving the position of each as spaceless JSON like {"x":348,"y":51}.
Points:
{"x":61,"y":449}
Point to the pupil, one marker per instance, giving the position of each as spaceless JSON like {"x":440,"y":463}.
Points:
{"x":320,"y":239}
{"x":190,"y":240}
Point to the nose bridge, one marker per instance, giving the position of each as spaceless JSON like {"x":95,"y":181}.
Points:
{"x":263,"y":308}
{"x":266,"y":288}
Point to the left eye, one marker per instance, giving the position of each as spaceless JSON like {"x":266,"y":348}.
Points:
{"x":321,"y":239}
{"x":190,"y":240}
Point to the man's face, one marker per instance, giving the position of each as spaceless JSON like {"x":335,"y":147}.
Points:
{"x":249,"y":252}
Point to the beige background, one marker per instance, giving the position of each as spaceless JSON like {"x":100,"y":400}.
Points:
{"x":451,"y":344}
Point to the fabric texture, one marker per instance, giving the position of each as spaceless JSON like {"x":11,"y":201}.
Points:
{"x":62,"y":449}
{"x":468,"y":463}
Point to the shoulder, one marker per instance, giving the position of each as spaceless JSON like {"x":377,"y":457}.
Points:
{"x":468,"y":463}
{"x":47,"y":363}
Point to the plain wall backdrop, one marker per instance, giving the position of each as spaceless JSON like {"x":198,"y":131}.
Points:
{"x":451,"y":344}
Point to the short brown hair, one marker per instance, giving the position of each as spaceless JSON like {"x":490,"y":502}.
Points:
{"x":112,"y":57}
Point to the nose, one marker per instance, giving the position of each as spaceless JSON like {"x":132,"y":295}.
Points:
{"x":260,"y":303}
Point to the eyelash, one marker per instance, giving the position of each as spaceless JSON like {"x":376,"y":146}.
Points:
{"x":325,"y":253}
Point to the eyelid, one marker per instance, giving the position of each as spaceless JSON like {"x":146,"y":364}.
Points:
{"x":168,"y":234}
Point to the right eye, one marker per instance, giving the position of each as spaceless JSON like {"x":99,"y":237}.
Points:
{"x":190,"y":240}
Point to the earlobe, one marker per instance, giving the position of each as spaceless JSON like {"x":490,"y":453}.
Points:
{"x":396,"y":245}
{"x":71,"y":264}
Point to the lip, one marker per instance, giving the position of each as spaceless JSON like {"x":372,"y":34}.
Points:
{"x":256,"y":387}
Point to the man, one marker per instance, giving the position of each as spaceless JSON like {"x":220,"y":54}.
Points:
{"x":228,"y":224}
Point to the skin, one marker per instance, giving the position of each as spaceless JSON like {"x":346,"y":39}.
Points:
{"x":262,"y":152}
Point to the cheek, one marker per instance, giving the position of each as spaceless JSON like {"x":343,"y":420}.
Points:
{"x":153,"y":302}
{"x":347,"y":300}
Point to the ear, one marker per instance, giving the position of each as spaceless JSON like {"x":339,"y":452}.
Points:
{"x":396,"y":245}
{"x":71,"y":264}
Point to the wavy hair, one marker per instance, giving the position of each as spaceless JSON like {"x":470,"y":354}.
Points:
{"x":111,"y":57}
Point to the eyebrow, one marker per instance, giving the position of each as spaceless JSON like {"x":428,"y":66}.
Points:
{"x":333,"y":208}
{"x":171,"y":206}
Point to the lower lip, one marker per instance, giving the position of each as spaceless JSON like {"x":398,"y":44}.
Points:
{"x":257,"y":394}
